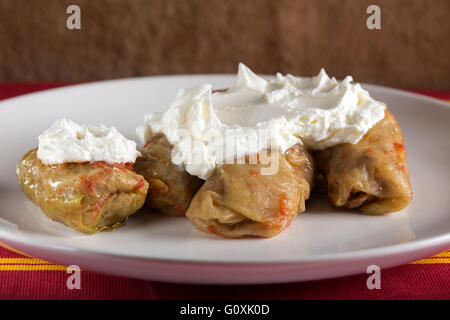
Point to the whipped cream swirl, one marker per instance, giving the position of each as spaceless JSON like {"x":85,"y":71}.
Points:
{"x":209,"y":128}
{"x":66,"y":141}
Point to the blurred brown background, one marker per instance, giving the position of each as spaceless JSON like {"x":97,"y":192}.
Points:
{"x":137,"y":37}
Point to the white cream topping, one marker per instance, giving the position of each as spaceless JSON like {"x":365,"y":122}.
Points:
{"x":256,"y":114}
{"x":66,"y":141}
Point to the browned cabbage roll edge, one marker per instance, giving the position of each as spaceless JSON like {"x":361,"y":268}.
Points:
{"x":372,"y":175}
{"x":170,"y":188}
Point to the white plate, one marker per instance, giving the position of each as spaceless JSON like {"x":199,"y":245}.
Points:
{"x":320,"y":243}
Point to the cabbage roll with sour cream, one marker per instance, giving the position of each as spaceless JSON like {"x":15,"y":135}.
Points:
{"x":82,"y":175}
{"x":89,"y":197}
{"x":371,"y":175}
{"x":241,"y":200}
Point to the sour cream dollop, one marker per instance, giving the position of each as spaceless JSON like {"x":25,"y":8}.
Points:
{"x":257,"y":113}
{"x":66,"y":141}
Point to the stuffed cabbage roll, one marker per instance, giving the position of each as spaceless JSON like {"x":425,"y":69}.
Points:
{"x":88,"y":197}
{"x":372,"y":175}
{"x":170,"y":187}
{"x":239,"y":200}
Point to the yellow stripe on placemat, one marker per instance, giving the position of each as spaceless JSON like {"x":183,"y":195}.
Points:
{"x":31,"y":267}
{"x":443,"y":254}
{"x":443,"y":257}
{"x":22,"y":261}
{"x":431,"y":261}
{"x":26,"y":264}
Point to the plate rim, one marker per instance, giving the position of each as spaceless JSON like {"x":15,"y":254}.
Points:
{"x":372,"y":253}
